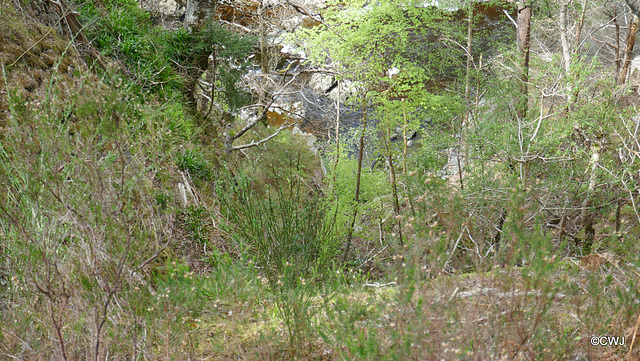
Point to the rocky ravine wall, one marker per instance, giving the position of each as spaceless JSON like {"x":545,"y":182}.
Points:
{"x":308,"y":99}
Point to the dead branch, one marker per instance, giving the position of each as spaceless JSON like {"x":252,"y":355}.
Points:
{"x":254,"y":122}
{"x":378,"y":285}
{"x":319,"y":19}
{"x":260,"y":142}
{"x":495,"y":293}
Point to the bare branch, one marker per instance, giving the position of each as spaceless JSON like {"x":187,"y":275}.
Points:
{"x":260,"y":142}
{"x":494,"y":292}
{"x":319,"y":19}
{"x":150,"y":259}
{"x":244,"y":28}
{"x":510,"y":18}
{"x":254,"y":122}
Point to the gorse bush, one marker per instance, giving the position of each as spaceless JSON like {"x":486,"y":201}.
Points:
{"x":287,"y":231}
{"x":291,"y":239}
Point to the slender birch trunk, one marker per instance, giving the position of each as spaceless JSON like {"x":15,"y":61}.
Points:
{"x":335,"y":165}
{"x":394,"y":187}
{"x":566,"y":51}
{"x":524,"y":35}
{"x":358,"y":174}
{"x":586,"y":215}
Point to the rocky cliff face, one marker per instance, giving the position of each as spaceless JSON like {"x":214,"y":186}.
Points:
{"x":300,"y":94}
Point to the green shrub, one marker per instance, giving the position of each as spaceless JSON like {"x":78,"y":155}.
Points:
{"x":291,"y":240}
{"x":286,"y":231}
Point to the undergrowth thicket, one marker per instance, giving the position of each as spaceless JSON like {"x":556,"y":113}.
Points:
{"x":127,"y":233}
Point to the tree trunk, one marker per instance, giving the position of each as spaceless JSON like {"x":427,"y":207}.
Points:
{"x":463,"y":151}
{"x":467,"y":79}
{"x":524,"y":33}
{"x":394,"y":187}
{"x":335,"y":165}
{"x":358,"y":174}
{"x":617,"y":48}
{"x":580,"y":25}
{"x":264,"y":56}
{"x":499,"y":227}
{"x":586,"y":215}
{"x":631,"y":40}
{"x":405,"y":141}
{"x":566,"y":52}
